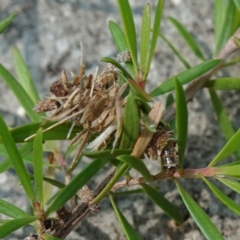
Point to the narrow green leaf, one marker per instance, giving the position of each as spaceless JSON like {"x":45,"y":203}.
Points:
{"x":224,"y":84}
{"x":177,"y":53}
{"x":120,"y":41}
{"x":163,"y":203}
{"x":139,"y":91}
{"x":12,"y":211}
{"x":51,"y":181}
{"x":77,"y":183}
{"x":13,"y":225}
{"x":6,"y":22}
{"x":106,"y":153}
{"x":185,"y":77}
{"x":129,"y":28}
{"x":181,"y":121}
{"x":236,"y":21}
{"x":156,"y":28}
{"x":228,"y":170}
{"x":129,"y":231}
{"x":138,"y":165}
{"x":38,"y":165}
{"x":131,"y":123}
{"x":59,"y":132}
{"x":227,"y":26}
{"x":203,"y":221}
{"x":145,"y":37}
{"x":147,"y":122}
{"x":234,"y":185}
{"x":169,"y":102}
{"x":230,"y":147}
{"x":49,"y":237}
{"x":219,"y":14}
{"x":188,"y":38}
{"x":222,"y":116}
{"x":118,"y":36}
{"x":24,"y":75}
{"x":24,"y":150}
{"x":223,"y":198}
{"x":118,"y":65}
{"x":233,"y":62}
{"x":16,"y":160}
{"x":20,"y":94}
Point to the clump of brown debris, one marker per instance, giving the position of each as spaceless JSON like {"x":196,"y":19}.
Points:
{"x":94,"y":102}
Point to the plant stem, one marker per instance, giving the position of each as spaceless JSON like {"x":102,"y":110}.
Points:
{"x":110,"y":184}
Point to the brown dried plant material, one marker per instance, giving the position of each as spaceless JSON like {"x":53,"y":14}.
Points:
{"x":146,"y":135}
{"x":46,"y":105}
{"x":163,"y":147}
{"x":86,"y":195}
{"x":94,"y":104}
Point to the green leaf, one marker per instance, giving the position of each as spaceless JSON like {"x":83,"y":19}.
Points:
{"x":106,"y":153}
{"x":139,"y":91}
{"x":177,"y":53}
{"x":129,"y":231}
{"x":226,"y":170}
{"x":222,"y":117}
{"x":233,"y":62}
{"x":77,"y":183}
{"x":145,"y":37}
{"x":118,"y":65}
{"x":131,"y":123}
{"x":20,"y":94}
{"x":230,"y":147}
{"x":219,"y":14}
{"x":208,"y":229}
{"x":129,"y":28}
{"x":185,"y":77}
{"x":13,"y":225}
{"x":16,"y":160}
{"x":59,"y":132}
{"x":38,"y":165}
{"x":12,"y":211}
{"x":24,"y":75}
{"x":24,"y":150}
{"x":224,"y":84}
{"x":6,"y":22}
{"x":138,"y":165}
{"x":51,"y":181}
{"x":226,"y":28}
{"x":169,"y":102}
{"x":237,"y":4}
{"x":147,"y":122}
{"x":236,"y":20}
{"x":118,"y":36}
{"x":188,"y":38}
{"x":120,"y":41}
{"x":181,"y":120}
{"x":163,"y":203}
{"x":235,"y":186}
{"x":223,"y":198}
{"x":156,"y":28}
{"x":49,"y":237}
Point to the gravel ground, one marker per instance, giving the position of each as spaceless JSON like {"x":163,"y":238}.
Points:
{"x":48,"y":33}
